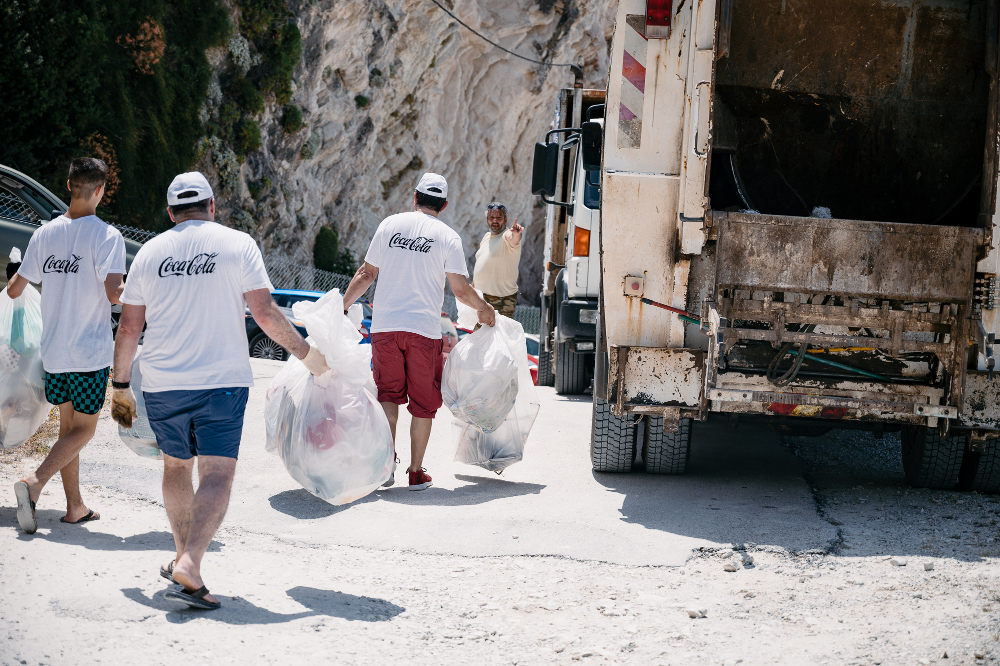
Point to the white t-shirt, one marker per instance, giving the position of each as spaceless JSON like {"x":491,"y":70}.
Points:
{"x":192,"y":279}
{"x":412,"y":252}
{"x":72,"y":258}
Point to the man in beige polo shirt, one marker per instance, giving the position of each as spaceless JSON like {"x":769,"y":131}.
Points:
{"x":497,"y":261}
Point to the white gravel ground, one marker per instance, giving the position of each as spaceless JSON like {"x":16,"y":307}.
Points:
{"x":302,"y":585}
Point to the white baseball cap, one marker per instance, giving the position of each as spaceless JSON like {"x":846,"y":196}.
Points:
{"x":188,"y":188}
{"x":433,"y":185}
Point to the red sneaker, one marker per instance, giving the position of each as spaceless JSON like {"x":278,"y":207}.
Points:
{"x":419,"y":479}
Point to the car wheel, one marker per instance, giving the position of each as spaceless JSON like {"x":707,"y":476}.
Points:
{"x":266,"y":348}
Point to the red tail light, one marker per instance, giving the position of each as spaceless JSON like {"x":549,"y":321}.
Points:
{"x":658,"y":18}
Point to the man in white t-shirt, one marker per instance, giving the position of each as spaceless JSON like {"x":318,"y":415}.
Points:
{"x":80,"y":261}
{"x":190,"y":286}
{"x":413,"y":254}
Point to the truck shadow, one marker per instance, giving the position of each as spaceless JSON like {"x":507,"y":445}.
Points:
{"x":842,"y":494}
{"x":301,"y":504}
{"x":239,"y":611}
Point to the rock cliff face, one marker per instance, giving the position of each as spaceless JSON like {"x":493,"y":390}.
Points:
{"x":391,"y":89}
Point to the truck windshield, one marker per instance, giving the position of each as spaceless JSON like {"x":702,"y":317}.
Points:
{"x":592,"y":189}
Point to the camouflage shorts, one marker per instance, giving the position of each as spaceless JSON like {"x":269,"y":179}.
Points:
{"x":504,"y":305}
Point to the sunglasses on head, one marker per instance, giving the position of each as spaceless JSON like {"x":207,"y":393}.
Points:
{"x":495,"y":206}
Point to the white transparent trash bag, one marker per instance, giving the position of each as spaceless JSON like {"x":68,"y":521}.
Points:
{"x":23,"y":406}
{"x":480,"y":380}
{"x":330,"y":431}
{"x":140,"y":437}
{"x":504,"y":445}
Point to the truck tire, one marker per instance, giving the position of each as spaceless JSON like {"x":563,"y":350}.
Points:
{"x":545,"y":376}
{"x":930,"y":460}
{"x":612,"y":441}
{"x":982,"y":469}
{"x":571,"y":370}
{"x":666,"y":452}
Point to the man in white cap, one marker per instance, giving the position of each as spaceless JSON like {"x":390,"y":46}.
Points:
{"x":189,"y":286}
{"x":413,"y":254}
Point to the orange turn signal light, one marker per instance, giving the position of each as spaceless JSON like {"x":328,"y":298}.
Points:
{"x":581,"y":242}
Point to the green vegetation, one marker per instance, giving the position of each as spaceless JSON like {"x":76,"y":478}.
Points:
{"x":245,"y":93}
{"x":247,"y":137}
{"x":414,"y":164}
{"x":259,"y":187}
{"x":361,"y":101}
{"x":123,"y":80}
{"x":327,"y":255}
{"x":291,"y":121}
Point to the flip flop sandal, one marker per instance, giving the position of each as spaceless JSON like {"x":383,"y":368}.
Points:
{"x":90,"y":516}
{"x":168,"y":572}
{"x":25,"y":508}
{"x":193,"y":598}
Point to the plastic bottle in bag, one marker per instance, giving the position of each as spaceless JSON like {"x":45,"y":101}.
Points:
{"x":23,"y":406}
{"x":472,"y":371}
{"x":140,"y":437}
{"x":330,"y":431}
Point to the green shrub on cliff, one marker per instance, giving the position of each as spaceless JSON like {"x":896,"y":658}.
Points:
{"x":123,"y":80}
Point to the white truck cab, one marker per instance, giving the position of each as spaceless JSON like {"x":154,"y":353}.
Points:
{"x":572,"y":279}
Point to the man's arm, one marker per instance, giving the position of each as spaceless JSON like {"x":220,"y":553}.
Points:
{"x":16,"y":285}
{"x":273,"y":321}
{"x":127,"y":340}
{"x":113,"y":287}
{"x":464,"y":292}
{"x":362,"y":279}
{"x":514,"y":234}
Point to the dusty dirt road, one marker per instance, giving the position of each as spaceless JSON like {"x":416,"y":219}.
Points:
{"x":790,"y":549}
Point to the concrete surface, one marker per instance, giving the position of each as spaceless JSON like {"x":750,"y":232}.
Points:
{"x":786,"y":550}
{"x":551,"y":503}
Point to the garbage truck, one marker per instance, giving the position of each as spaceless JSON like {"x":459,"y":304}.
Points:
{"x":798,"y":211}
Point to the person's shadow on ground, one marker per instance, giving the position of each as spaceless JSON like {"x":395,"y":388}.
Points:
{"x":237,"y":611}
{"x":91,"y":536}
{"x":301,"y":504}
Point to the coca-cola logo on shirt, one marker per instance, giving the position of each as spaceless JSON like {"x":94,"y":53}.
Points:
{"x":418,"y":244}
{"x":53,"y":265}
{"x":199,"y":264}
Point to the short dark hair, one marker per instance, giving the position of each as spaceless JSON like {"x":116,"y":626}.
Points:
{"x":193,"y":207}
{"x":427,"y":201}
{"x":86,"y":174}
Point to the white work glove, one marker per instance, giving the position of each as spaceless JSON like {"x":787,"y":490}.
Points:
{"x":315,"y":362}
{"x":123,"y":407}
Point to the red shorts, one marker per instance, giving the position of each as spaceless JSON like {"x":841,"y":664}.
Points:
{"x":408,"y":365}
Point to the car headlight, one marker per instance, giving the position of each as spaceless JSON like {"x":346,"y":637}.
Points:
{"x":588,"y":316}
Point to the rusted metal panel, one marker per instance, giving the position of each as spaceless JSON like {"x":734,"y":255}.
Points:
{"x":657,"y":376}
{"x":981,"y":402}
{"x":639,"y":237}
{"x":855,"y":258}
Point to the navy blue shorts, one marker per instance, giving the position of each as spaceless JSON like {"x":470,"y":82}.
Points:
{"x":198,"y":423}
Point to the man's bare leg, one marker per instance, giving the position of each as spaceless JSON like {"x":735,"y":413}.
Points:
{"x":215,"y":480}
{"x":420,"y":434}
{"x":178,"y":496}
{"x":391,"y":410}
{"x":79,"y":430}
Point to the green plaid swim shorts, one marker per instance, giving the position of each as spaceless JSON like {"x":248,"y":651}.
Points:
{"x":86,"y":390}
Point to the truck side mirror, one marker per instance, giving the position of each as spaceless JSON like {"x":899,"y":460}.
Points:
{"x":543,"y":171}
{"x":592,"y":135}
